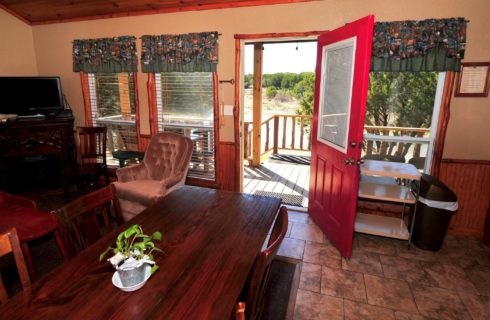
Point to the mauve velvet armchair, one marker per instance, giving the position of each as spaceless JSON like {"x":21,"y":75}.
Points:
{"x":163,"y":169}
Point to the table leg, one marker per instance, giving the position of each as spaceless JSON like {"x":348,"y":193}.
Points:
{"x":27,"y":256}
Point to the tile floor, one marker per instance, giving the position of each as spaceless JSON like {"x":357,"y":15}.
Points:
{"x":384,"y":280}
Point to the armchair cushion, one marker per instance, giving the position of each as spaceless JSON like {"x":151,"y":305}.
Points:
{"x":145,"y":192}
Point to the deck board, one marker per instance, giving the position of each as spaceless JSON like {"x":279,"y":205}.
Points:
{"x":278,"y":177}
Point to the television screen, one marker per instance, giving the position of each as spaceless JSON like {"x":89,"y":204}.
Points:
{"x":30,"y":95}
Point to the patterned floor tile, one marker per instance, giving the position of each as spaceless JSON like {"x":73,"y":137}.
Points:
{"x":300,"y":217}
{"x":478,"y":306}
{"x":309,"y":232}
{"x":415,"y":253}
{"x":368,"y":243}
{"x":311,"y":276}
{"x":403,"y":269}
{"x":361,"y":311}
{"x":315,"y":306}
{"x":292,"y":248}
{"x":324,"y":254}
{"x":480,"y":277}
{"x":448,"y":277}
{"x":399,"y":315}
{"x":439,"y":303}
{"x":389,"y":293}
{"x":363,"y":262}
{"x":343,"y":284}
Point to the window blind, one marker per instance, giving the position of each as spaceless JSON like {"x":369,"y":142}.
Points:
{"x":113,"y":105}
{"x":185,"y":105}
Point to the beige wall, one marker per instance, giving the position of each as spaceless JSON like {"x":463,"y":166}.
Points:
{"x":17,"y":56}
{"x":468,"y":129}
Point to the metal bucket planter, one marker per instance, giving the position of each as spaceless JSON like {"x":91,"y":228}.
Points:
{"x":133,"y":276}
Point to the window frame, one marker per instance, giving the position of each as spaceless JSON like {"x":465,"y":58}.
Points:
{"x":432,"y":140}
{"x":89,"y":121}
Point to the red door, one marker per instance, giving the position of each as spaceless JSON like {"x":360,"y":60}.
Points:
{"x":342,"y":74}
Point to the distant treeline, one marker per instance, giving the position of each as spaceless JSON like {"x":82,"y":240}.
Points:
{"x":281,"y":80}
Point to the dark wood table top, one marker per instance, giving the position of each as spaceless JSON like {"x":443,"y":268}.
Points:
{"x":30,"y":223}
{"x":211,"y":238}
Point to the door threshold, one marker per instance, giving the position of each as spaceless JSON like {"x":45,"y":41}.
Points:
{"x":296,"y":209}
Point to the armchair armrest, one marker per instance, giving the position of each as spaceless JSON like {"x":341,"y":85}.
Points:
{"x":173,"y":180}
{"x":131,"y":173}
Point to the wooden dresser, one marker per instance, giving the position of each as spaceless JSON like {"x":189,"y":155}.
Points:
{"x":28,"y":146}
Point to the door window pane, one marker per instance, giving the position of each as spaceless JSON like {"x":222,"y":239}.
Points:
{"x":335,"y":93}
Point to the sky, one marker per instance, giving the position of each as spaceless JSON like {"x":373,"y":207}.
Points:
{"x":283,"y":57}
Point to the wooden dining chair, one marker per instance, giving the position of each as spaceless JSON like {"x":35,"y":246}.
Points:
{"x":260,"y":274}
{"x":91,"y":157}
{"x":86,"y":219}
{"x":9,"y":242}
{"x":240,"y":311}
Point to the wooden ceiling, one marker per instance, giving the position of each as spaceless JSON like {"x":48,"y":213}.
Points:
{"x":36,"y":12}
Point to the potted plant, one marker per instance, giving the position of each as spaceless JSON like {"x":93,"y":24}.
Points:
{"x":133,"y":253}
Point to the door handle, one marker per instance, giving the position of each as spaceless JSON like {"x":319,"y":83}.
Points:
{"x":349,"y":161}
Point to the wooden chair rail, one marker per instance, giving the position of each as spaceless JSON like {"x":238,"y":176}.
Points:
{"x":9,"y":242}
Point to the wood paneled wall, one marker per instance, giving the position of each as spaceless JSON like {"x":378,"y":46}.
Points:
{"x":227,"y":165}
{"x":144,"y":141}
{"x":470,"y":180}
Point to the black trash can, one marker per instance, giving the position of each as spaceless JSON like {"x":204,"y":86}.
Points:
{"x":435,"y":207}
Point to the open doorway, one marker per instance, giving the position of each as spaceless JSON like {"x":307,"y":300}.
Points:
{"x":278,"y":92}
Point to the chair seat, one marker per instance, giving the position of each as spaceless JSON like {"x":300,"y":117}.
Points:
{"x":146,"y":192}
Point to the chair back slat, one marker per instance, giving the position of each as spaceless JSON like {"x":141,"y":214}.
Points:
{"x":87,"y":218}
{"x":9,"y":242}
{"x":92,"y":144}
{"x":261,"y":271}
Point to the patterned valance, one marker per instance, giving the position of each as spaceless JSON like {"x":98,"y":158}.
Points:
{"x":193,"y":52}
{"x":112,"y":55}
{"x":425,"y":45}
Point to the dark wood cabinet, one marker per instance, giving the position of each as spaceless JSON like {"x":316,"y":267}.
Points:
{"x":34,"y":153}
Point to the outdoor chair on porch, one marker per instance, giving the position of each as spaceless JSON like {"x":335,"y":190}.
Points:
{"x":163,"y":169}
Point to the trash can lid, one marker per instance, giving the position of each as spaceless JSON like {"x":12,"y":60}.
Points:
{"x":433,"y":189}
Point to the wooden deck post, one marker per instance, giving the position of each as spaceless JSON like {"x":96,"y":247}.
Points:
{"x":276,"y":133}
{"x":257,"y":104}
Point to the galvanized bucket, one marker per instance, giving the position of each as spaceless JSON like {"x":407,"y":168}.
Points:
{"x":133,"y":276}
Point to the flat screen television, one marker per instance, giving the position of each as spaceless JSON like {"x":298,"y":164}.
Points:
{"x":30,"y":95}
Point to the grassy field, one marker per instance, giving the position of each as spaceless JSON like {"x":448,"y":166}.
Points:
{"x":270,"y":106}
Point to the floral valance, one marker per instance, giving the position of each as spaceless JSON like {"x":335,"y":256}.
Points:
{"x":192,"y":52}
{"x":113,"y":55}
{"x":424,"y":45}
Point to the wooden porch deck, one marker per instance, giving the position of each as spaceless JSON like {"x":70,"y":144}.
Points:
{"x":276,"y":178}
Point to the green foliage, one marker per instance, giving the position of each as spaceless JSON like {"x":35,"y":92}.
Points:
{"x":132,"y":242}
{"x":402,"y":99}
{"x":271,"y":92}
{"x":305,"y":90}
{"x":248,"y":80}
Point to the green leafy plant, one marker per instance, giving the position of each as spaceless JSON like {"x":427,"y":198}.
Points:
{"x":133,"y":243}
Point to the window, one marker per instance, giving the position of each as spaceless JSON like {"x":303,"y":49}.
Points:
{"x":401,"y":116}
{"x":113,"y":104}
{"x":185,"y":105}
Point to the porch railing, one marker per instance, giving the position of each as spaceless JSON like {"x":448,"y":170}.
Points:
{"x":293,"y":132}
{"x":285,"y":132}
{"x":396,"y":143}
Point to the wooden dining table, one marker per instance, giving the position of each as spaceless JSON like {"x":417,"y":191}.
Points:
{"x":210,"y":238}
